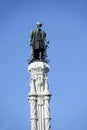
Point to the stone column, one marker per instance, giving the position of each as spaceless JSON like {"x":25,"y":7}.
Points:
{"x":39,"y":96}
{"x":32,"y":97}
{"x":47,"y":96}
{"x":47,"y":112}
{"x":33,"y":108}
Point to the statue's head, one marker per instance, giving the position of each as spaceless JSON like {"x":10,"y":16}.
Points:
{"x":38,"y":24}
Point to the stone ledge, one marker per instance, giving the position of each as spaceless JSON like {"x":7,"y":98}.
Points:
{"x":38,"y":67}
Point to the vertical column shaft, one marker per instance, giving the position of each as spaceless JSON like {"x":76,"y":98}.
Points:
{"x":47,"y":112}
{"x":39,"y":96}
{"x":33,"y":111}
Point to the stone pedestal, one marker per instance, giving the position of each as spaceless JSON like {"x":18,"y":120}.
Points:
{"x":39,"y":96}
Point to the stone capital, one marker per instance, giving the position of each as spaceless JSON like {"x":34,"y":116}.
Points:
{"x":38,"y":67}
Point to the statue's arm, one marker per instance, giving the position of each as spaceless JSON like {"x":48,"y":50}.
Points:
{"x":45,"y":38}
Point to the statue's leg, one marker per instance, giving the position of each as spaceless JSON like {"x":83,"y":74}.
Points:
{"x":36,"y":54}
{"x":32,"y":54}
{"x":40,"y":55}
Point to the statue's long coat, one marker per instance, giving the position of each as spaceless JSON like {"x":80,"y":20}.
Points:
{"x":37,"y":39}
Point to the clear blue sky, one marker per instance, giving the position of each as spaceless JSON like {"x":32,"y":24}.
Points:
{"x":65,"y":22}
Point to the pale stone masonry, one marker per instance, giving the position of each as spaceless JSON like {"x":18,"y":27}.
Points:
{"x":39,"y":96}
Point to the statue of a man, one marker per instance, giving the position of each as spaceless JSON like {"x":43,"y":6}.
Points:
{"x":38,"y":42}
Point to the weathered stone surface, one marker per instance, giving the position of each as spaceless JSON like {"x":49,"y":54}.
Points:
{"x":39,"y":96}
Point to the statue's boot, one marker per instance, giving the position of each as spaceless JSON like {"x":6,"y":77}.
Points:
{"x":32,"y":57}
{"x":40,"y":55}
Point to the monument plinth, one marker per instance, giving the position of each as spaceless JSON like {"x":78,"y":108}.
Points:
{"x":39,"y":95}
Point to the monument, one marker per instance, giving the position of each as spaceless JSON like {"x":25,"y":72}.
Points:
{"x":39,"y":95}
{"x":38,"y":44}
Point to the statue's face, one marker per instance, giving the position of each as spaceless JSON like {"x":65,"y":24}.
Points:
{"x":38,"y":25}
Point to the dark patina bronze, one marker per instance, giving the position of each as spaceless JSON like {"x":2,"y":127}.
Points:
{"x":39,"y":44}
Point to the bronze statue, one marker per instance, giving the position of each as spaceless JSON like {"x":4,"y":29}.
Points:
{"x":38,"y":44}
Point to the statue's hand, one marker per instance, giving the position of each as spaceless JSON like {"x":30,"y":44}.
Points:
{"x":47,"y":42}
{"x":30,"y":43}
{"x":46,"y":46}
